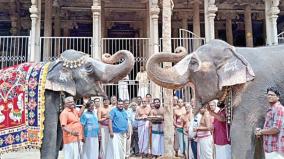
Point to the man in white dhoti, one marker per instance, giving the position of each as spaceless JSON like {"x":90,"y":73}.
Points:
{"x":130,"y":121}
{"x":103,"y":116}
{"x":204,"y":137}
{"x":90,"y":124}
{"x":123,"y":88}
{"x":118,"y":130}
{"x":143,"y":127}
{"x":157,"y":129}
{"x":143,"y":81}
{"x":72,"y":129}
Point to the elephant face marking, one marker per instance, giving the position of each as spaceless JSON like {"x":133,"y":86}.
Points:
{"x":231,"y":66}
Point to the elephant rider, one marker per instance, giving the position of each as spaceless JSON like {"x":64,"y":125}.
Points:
{"x":273,"y":129}
{"x":72,"y":129}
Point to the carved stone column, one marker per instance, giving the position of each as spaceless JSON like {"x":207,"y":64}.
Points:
{"x":274,"y":11}
{"x":209,"y":10}
{"x":34,"y":16}
{"x":96,"y":9}
{"x":196,"y":24}
{"x":248,"y":26}
{"x":168,"y":94}
{"x":154,"y":39}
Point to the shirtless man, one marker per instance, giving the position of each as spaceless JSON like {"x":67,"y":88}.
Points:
{"x":157,"y":129}
{"x":143,"y":127}
{"x":103,"y":116}
{"x":179,"y":111}
{"x":187,"y":118}
{"x":113,"y":101}
{"x":205,"y":139}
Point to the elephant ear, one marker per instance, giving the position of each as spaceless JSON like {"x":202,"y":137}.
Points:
{"x":234,"y":70}
{"x":60,"y":78}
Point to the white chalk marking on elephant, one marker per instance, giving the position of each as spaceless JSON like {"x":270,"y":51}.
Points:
{"x":182,"y":66}
{"x":231,"y":66}
{"x":63,"y":76}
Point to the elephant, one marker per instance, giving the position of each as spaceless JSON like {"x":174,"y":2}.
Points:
{"x":217,"y":66}
{"x":78,"y":80}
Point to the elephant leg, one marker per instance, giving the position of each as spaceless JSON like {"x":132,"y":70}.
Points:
{"x":59,"y":137}
{"x":49,"y":145}
{"x":244,"y":143}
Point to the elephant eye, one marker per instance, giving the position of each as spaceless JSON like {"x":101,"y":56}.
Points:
{"x":89,"y":67}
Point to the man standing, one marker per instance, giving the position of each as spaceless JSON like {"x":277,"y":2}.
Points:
{"x":103,"y":116}
{"x":143,"y":81}
{"x":118,"y":130}
{"x":220,"y":131}
{"x":72,"y":129}
{"x":90,"y":123}
{"x":129,"y":117}
{"x":157,"y":129}
{"x":143,"y":127}
{"x":273,"y":129}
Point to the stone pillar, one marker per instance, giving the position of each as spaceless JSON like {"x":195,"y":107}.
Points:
{"x":96,"y":9}
{"x":168,"y":94}
{"x":184,"y":22}
{"x":47,"y":29}
{"x":34,"y":16}
{"x":229,"y":30}
{"x":196,"y":24}
{"x":154,"y":35}
{"x":248,"y":26}
{"x":57,"y":22}
{"x":209,"y":15}
{"x":271,"y":15}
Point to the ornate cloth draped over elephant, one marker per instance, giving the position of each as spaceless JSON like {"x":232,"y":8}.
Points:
{"x":30,"y":97}
{"x":215,"y":66}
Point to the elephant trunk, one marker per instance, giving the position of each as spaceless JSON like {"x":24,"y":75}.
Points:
{"x":113,"y":73}
{"x":167,"y":77}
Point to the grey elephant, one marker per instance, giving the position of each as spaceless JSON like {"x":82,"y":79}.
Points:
{"x":78,"y":75}
{"x":214,"y":67}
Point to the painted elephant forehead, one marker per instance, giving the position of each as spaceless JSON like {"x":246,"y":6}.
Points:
{"x":182,"y":66}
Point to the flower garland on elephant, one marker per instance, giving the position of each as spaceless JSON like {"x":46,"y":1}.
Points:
{"x":22,"y":100}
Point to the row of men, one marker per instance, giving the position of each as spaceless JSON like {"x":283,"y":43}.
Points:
{"x":125,"y":126}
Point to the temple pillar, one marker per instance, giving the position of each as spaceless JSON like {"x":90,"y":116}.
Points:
{"x":168,"y":93}
{"x":248,"y":26}
{"x":154,"y":40}
{"x":196,"y":24}
{"x":47,"y":29}
{"x":271,"y":15}
{"x":229,"y":30}
{"x":96,"y":46}
{"x":34,"y":54}
{"x":57,"y":21}
{"x":209,"y":15}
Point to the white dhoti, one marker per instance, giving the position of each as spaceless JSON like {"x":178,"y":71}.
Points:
{"x":223,"y":151}
{"x":274,"y":155}
{"x":128,"y":141}
{"x":187,"y":147}
{"x":157,"y":139}
{"x":143,"y":136}
{"x":205,"y":147}
{"x":143,"y":89}
{"x":123,"y":90}
{"x":104,"y":140}
{"x":91,"y":148}
{"x":71,"y":150}
{"x":116,"y":148}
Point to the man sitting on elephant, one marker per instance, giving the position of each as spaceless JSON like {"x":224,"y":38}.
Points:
{"x":273,"y":130}
{"x":72,"y":129}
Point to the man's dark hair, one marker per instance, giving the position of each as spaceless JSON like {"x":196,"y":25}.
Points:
{"x":148,"y":94}
{"x":156,"y":99}
{"x":119,"y":100}
{"x":139,"y":97}
{"x":273,"y":89}
{"x":105,"y":98}
{"x":88,"y":104}
{"x":221,"y":104}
